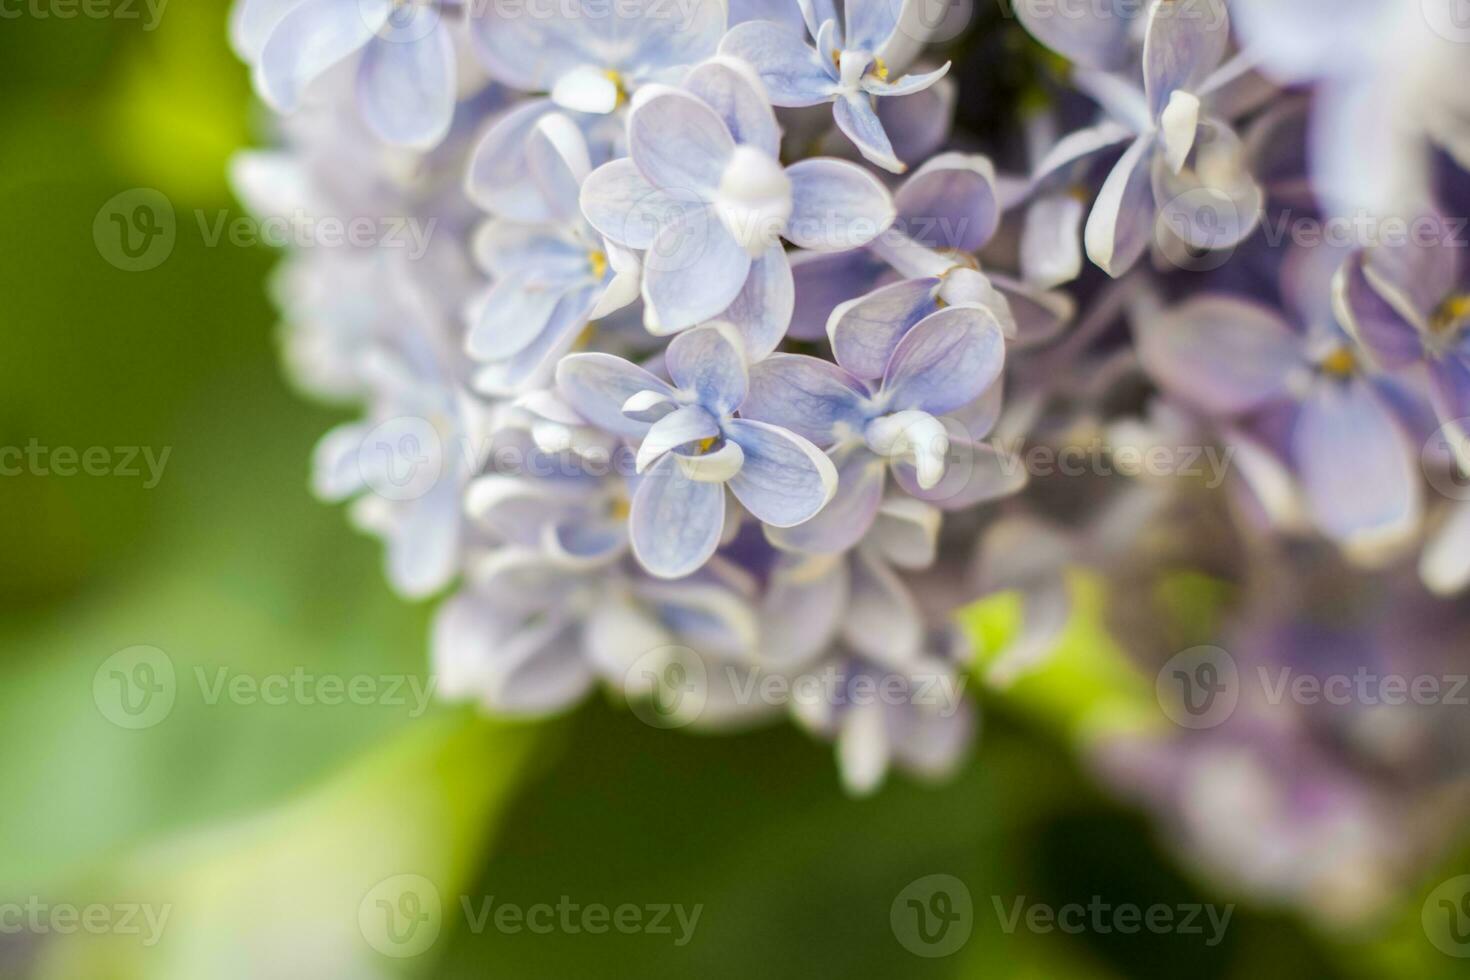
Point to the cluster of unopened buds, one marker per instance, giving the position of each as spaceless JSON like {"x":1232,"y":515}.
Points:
{"x":717,"y":359}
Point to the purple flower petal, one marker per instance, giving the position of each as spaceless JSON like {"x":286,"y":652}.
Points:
{"x":1223,"y":355}
{"x":1359,"y":475}
{"x":950,"y":203}
{"x":1122,"y":219}
{"x":406,"y":86}
{"x":1183,"y":44}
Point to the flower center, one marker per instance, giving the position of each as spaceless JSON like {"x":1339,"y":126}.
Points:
{"x":1340,"y":363}
{"x":754,"y":199}
{"x":1451,"y":315}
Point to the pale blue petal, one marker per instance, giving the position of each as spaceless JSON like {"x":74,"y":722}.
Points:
{"x":675,"y":522}
{"x":675,"y":430}
{"x":763,"y":310}
{"x":597,"y":385}
{"x":846,"y":519}
{"x":1122,"y":220}
{"x":865,"y":331}
{"x":946,"y":362}
{"x":814,"y":398}
{"x":1183,"y":44}
{"x":792,"y":72}
{"x":950,"y":203}
{"x":312,"y":38}
{"x":870,"y":23}
{"x":499,"y":179}
{"x":730,"y":87}
{"x":1094,"y":35}
{"x":907,"y":85}
{"x":785,"y":480}
{"x":678,"y":143}
{"x":513,"y":315}
{"x":708,"y":363}
{"x":406,"y":86}
{"x":693,"y":270}
{"x":836,"y":205}
{"x":859,"y":123}
{"x":621,"y":204}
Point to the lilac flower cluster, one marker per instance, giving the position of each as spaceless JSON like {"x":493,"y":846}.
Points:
{"x":697,"y":376}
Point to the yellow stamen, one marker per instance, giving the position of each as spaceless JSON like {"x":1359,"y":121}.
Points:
{"x":1340,"y":363}
{"x":620,"y":509}
{"x":617,"y":80}
{"x":705,"y":445}
{"x":598,"y":261}
{"x":880,"y":69}
{"x":1452,"y":312}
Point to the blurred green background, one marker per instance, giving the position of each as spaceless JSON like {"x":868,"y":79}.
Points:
{"x":264,"y":828}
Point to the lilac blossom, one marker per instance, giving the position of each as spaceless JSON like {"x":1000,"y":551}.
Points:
{"x":924,"y":370}
{"x":842,"y":63}
{"x":692,"y":446}
{"x":1182,"y":167}
{"x":589,"y":58}
{"x":704,"y":196}
{"x":405,"y":76}
{"x":549,"y":279}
